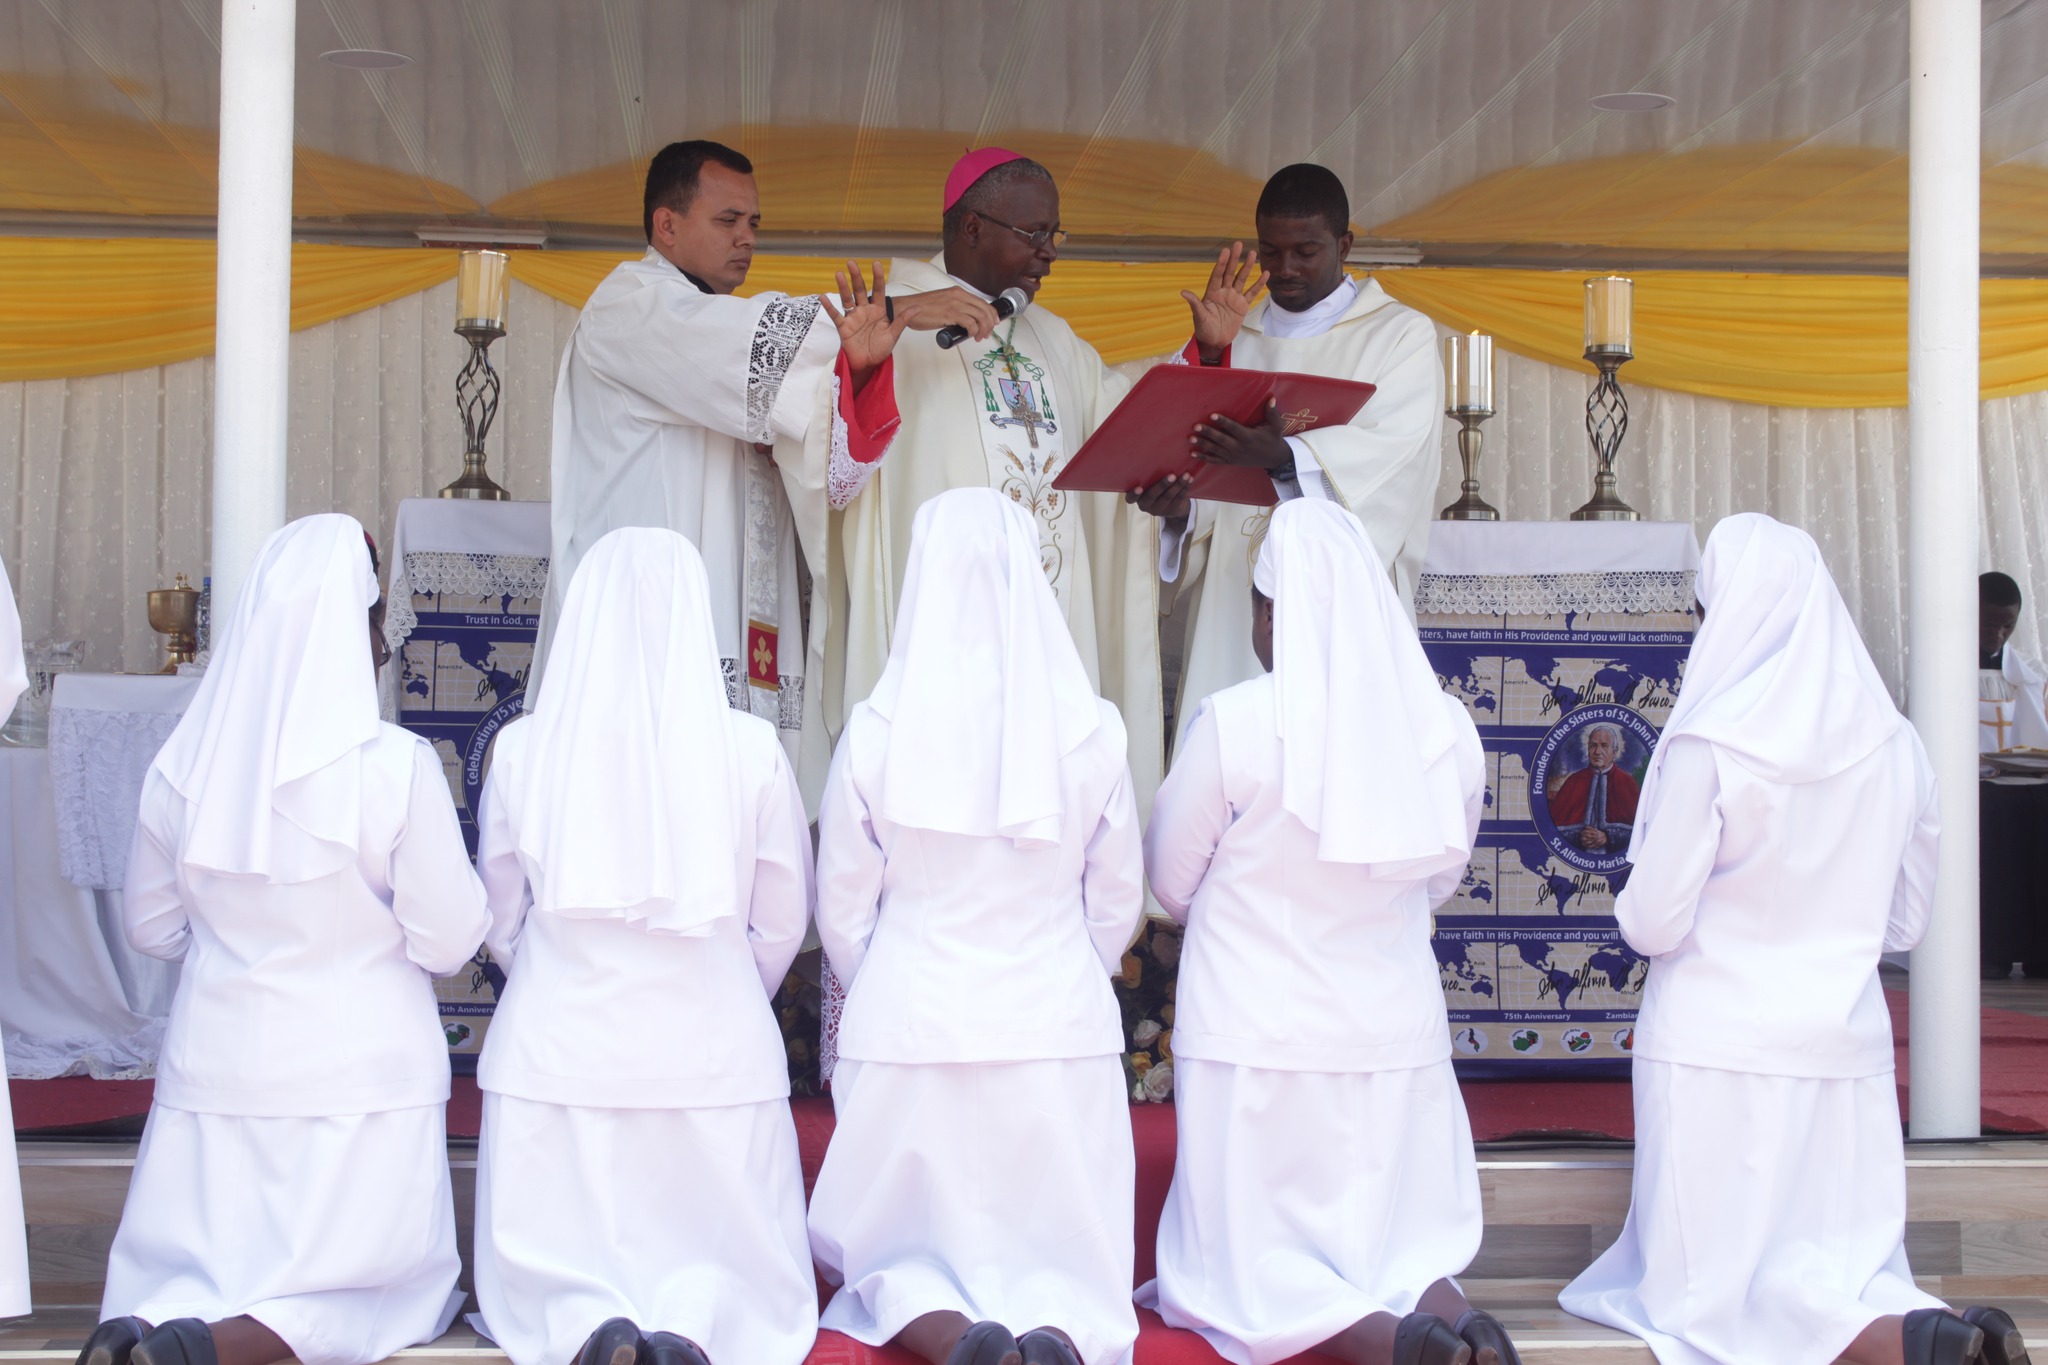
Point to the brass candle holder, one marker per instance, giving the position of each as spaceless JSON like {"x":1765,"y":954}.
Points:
{"x":480,"y":288}
{"x":1610,"y":306}
{"x":174,"y":614}
{"x":1468,"y":393}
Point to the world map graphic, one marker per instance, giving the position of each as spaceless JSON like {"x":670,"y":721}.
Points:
{"x":1534,"y":970}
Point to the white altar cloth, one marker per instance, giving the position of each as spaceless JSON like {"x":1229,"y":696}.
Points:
{"x":105,"y":729}
{"x":65,"y":1006}
{"x":458,"y":545}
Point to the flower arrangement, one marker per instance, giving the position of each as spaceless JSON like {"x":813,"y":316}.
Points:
{"x":797,"y":1006}
{"x":1145,"y":992}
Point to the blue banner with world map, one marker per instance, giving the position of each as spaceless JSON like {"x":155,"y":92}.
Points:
{"x":462,"y":672}
{"x":1536,"y":976}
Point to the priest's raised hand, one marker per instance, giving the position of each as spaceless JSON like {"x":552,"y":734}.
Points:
{"x":1235,"y":284}
{"x":1222,"y":441}
{"x":869,"y":322}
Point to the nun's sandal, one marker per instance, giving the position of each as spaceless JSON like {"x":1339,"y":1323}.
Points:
{"x":1483,"y":1332}
{"x":1041,"y":1347}
{"x":1426,"y":1339}
{"x":112,"y":1340}
{"x":1935,"y":1336}
{"x":985,"y":1343}
{"x":2003,"y":1342}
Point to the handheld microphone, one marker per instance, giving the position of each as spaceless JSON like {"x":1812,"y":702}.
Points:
{"x":1010,"y":301}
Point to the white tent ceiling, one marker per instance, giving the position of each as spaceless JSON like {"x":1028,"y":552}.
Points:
{"x":1409,"y":100}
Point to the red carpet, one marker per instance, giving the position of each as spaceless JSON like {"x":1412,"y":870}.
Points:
{"x":2015,"y":1081}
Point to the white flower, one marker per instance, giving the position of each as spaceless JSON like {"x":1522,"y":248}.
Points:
{"x":1166,"y":946}
{"x":1146,"y":1033}
{"x":1158,"y":1082}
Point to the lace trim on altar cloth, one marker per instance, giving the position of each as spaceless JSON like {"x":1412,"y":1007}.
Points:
{"x":831,"y":1009}
{"x":844,"y":475}
{"x":30,"y":1058}
{"x":1553,"y":594}
{"x":777,"y":336}
{"x":97,"y":762}
{"x":473,"y":575}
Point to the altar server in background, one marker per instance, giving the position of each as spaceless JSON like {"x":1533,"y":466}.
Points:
{"x":979,"y":877}
{"x":1382,"y":467}
{"x":302,"y":858}
{"x":2012,"y":689}
{"x":1788,"y":825}
{"x":1325,"y":1188}
{"x":14,"y":1292}
{"x":649,"y":871}
{"x":738,"y":422}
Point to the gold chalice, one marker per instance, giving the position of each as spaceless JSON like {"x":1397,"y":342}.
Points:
{"x":174,"y":612}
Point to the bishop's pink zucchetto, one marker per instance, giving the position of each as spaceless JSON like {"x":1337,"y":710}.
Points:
{"x":973,"y":167}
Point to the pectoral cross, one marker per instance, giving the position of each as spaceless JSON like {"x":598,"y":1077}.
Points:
{"x":1022,"y":413}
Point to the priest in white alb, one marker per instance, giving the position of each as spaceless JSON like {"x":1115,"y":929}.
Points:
{"x":1006,"y":412}
{"x":734,"y":421}
{"x":2012,"y":691}
{"x":1382,"y":466}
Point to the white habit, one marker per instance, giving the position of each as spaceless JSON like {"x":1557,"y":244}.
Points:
{"x":2012,"y":704}
{"x":1007,"y":414}
{"x":1382,"y":467}
{"x":979,"y":877}
{"x":14,"y":1289}
{"x":303,"y":860}
{"x":665,"y":390}
{"x":1787,"y":837}
{"x":648,"y":865}
{"x":1311,"y":822}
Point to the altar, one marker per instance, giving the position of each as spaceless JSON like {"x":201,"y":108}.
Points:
{"x":1567,"y":642}
{"x":461,"y":614}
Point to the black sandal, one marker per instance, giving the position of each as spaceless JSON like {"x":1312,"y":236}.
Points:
{"x":666,"y":1348}
{"x":112,"y":1340}
{"x":985,"y":1343}
{"x":1483,"y":1331}
{"x":181,"y":1341}
{"x":2004,"y":1344}
{"x":1426,"y":1339}
{"x":615,"y":1342}
{"x":1935,"y":1336}
{"x":1041,"y":1347}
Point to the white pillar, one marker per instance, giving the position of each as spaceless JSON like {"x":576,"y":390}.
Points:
{"x":253,"y":296}
{"x":1941,"y":557}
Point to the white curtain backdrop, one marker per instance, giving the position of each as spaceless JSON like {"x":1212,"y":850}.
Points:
{"x":104,"y":481}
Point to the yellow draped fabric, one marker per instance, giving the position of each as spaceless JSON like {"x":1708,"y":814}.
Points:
{"x":1809,"y":341}
{"x":76,"y":307}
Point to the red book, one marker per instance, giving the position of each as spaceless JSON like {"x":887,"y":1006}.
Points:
{"x":1146,"y":437}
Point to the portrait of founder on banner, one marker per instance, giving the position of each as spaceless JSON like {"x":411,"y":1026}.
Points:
{"x":1586,"y":781}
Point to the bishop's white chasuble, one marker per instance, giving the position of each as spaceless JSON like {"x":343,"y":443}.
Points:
{"x":1006,"y":413}
{"x":1382,"y":467}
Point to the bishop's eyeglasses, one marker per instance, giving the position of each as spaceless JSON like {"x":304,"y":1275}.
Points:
{"x":1039,"y":240}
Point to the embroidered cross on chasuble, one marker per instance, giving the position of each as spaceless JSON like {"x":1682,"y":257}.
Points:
{"x":1025,"y":449}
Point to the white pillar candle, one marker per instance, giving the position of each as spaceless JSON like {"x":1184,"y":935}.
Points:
{"x":1610,"y":305}
{"x":1468,"y":372}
